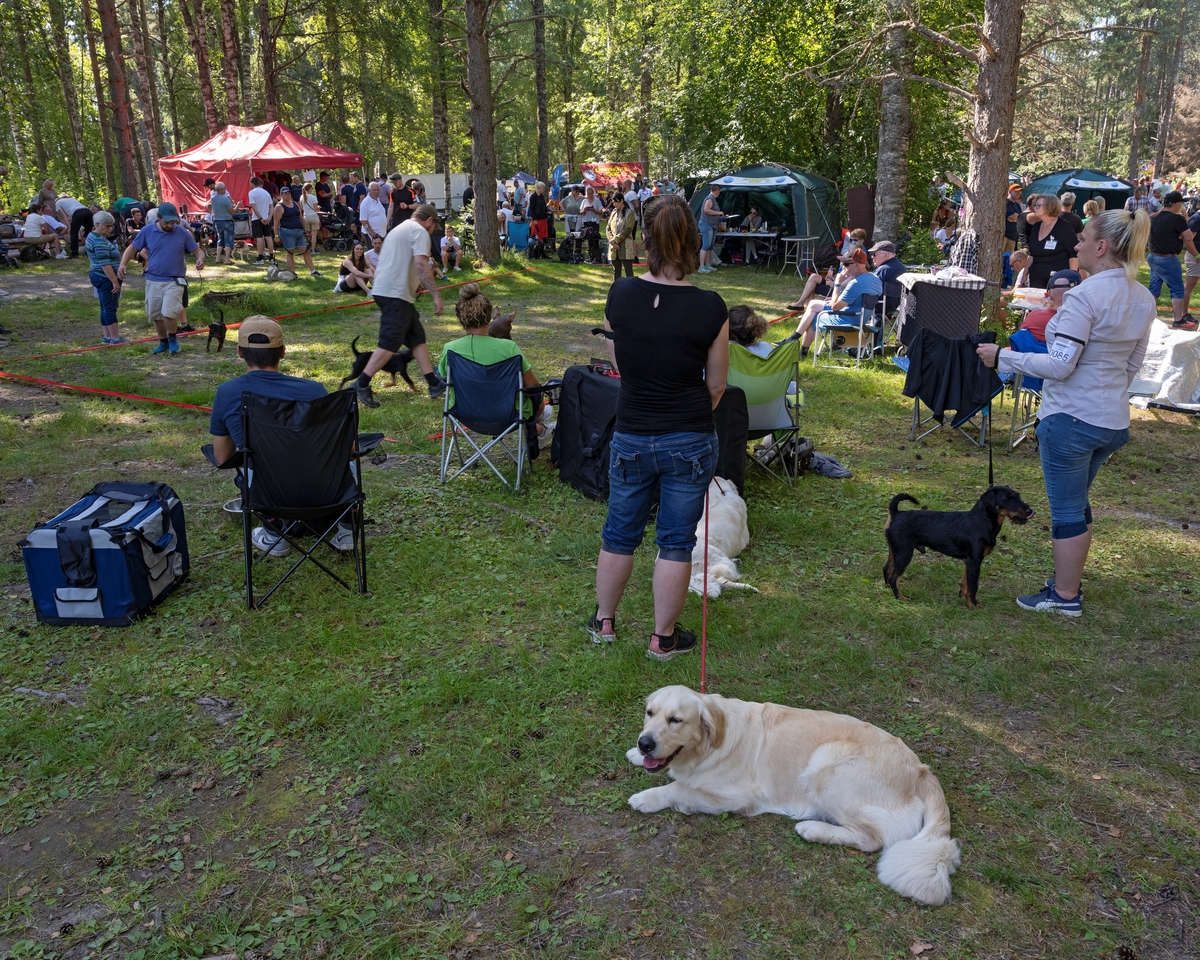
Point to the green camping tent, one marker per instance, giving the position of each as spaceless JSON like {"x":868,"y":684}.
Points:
{"x":807,"y":205}
{"x":1085,"y":184}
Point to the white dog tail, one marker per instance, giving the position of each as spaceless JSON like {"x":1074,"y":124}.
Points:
{"x":920,"y":868}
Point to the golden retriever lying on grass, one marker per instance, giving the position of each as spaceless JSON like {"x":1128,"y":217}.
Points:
{"x":845,"y":780}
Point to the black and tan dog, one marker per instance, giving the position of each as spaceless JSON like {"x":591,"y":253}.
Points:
{"x":967,"y":535}
{"x":397,"y":364}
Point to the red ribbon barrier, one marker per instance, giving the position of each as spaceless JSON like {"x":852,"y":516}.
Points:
{"x":106,"y":393}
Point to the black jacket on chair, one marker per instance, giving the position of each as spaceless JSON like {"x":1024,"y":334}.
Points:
{"x":946,"y":375}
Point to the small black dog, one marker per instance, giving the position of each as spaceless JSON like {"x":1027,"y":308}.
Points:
{"x":398,"y":364}
{"x":966,"y":535}
{"x":217,"y":331}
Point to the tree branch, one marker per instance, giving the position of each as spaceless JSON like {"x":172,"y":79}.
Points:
{"x":942,"y":40}
{"x":949,"y":87}
{"x":1073,"y":35}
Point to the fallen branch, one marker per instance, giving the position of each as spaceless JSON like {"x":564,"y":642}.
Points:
{"x":57,"y":696}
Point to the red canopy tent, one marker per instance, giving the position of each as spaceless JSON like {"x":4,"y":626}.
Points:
{"x":236,"y":154}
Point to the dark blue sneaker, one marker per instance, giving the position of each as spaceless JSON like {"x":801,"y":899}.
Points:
{"x":173,"y":345}
{"x":1048,"y":601}
{"x":160,"y":348}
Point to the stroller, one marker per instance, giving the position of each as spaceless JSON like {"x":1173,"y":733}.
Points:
{"x":341,"y":227}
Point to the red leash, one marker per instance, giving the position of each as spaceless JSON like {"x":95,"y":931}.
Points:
{"x":704,"y":608}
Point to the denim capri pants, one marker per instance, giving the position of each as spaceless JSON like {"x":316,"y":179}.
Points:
{"x":224,"y":230}
{"x":675,"y":469}
{"x":1072,"y":454}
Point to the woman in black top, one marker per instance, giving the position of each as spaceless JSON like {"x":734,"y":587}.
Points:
{"x":539,"y":213}
{"x":1051,"y":242}
{"x":670,"y":342}
{"x":356,"y":272}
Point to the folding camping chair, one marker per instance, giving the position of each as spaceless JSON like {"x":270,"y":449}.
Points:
{"x":856,"y":338}
{"x":773,"y":402}
{"x":300,"y":475}
{"x":1026,"y":391}
{"x":769,"y":253}
{"x":487,"y":399}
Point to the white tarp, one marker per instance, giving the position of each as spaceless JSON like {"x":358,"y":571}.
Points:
{"x":1172,"y":359}
{"x":752,"y":181}
{"x":1097,"y":184}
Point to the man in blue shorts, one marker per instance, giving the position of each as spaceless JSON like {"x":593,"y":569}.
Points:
{"x":166,"y":244}
{"x":845,"y":303}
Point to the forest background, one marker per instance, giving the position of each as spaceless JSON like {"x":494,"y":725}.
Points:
{"x":96,"y":90}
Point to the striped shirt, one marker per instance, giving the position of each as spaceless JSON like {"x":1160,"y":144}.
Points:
{"x":102,"y":252}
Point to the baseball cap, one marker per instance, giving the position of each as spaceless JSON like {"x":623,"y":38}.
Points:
{"x":260,"y":331}
{"x":426,"y":211}
{"x":886,"y":246}
{"x":857,"y":255}
{"x":1172,"y":198}
{"x":1071,"y":275}
{"x":1016,"y":186}
{"x":396,"y":176}
{"x":167,"y":212}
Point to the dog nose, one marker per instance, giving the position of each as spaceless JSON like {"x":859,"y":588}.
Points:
{"x":646,"y":743}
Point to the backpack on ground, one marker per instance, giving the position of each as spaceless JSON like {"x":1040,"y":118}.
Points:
{"x":587,"y":415}
{"x":108,"y":558}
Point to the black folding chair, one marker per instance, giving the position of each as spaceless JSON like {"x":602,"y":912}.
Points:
{"x":487,"y":400}
{"x":300,"y":474}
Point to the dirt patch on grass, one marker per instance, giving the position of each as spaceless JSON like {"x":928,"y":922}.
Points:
{"x":70,"y":282}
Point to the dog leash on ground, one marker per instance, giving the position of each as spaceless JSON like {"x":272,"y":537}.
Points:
{"x":704,"y":606}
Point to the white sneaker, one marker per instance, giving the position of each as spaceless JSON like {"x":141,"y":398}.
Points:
{"x":457,"y":269}
{"x":271,"y":544}
{"x":546,"y":437}
{"x":61,"y":256}
{"x":343,"y":540}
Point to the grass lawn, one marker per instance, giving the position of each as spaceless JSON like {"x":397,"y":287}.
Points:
{"x":437,"y":770}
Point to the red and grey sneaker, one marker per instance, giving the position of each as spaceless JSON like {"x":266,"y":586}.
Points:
{"x":595,"y":628}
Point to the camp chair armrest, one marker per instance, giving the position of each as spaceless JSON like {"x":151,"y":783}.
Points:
{"x":237,"y":460}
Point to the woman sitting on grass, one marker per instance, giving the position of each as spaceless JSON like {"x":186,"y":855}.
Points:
{"x":748,"y":328}
{"x":356,"y":272}
{"x":474,"y":312}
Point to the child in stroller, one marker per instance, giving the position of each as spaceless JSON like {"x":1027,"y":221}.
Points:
{"x":340,"y":227}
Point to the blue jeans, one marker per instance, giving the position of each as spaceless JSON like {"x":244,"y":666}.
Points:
{"x":108,"y":300}
{"x":707,"y":236}
{"x":1072,"y":454}
{"x":678,"y":467}
{"x":224,"y":230}
{"x":1166,"y":270}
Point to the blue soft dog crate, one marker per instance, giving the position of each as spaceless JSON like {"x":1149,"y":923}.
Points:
{"x":105,"y":560}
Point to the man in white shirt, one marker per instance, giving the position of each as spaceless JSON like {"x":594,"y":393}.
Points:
{"x":403,"y":261}
{"x":262,"y":225}
{"x":78,"y":219}
{"x":372,"y":214}
{"x":372,"y":255}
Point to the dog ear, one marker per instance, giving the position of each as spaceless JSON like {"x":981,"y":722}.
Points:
{"x":712,"y":724}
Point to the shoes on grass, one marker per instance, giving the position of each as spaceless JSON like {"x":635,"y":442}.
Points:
{"x":458,"y":269}
{"x":1048,"y":601}
{"x":437,"y":390}
{"x":678,"y":643}
{"x":272,"y":544}
{"x":343,"y":540}
{"x":366,"y":396}
{"x":595,"y":626}
{"x":173,"y":345}
{"x":160,"y":347}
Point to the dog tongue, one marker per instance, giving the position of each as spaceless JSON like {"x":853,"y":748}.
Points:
{"x":650,"y":763}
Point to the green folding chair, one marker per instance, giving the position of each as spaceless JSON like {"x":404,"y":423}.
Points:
{"x":773,"y":400}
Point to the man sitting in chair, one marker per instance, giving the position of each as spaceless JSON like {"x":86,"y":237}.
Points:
{"x":260,"y":345}
{"x":474,"y":312}
{"x":844,"y":304}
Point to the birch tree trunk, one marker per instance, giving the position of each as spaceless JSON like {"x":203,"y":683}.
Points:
{"x":197,"y":33}
{"x":835,"y":122}
{"x":168,"y":73}
{"x":119,"y":92}
{"x":141,"y":60}
{"x":266,"y":40}
{"x":990,"y":134}
{"x":160,"y":138}
{"x":229,"y":44}
{"x":477,"y":14}
{"x":441,"y":120}
{"x":539,"y":85}
{"x":245,"y":55}
{"x":895,"y":132}
{"x":66,"y":76}
{"x":28,"y":98}
{"x":106,"y":141}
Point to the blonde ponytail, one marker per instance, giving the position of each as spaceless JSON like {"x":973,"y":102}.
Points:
{"x":1126,"y":234}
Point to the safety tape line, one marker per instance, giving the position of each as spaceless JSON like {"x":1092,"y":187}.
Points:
{"x":107,"y":393}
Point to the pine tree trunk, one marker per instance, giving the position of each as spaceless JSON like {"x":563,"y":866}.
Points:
{"x":266,"y":40}
{"x":28,"y":98}
{"x":441,"y":119}
{"x":141,"y":59}
{"x":1139,"y":105}
{"x":991,"y":135}
{"x":477,"y":14}
{"x":568,"y":92}
{"x":66,"y":76}
{"x":197,"y":31}
{"x":93,"y":42}
{"x":168,"y":73}
{"x":119,"y":93}
{"x":160,"y":139}
{"x":645,"y":91}
{"x":229,"y":43}
{"x":539,"y":86}
{"x":245,"y":55}
{"x":895,"y":132}
{"x":1166,"y":114}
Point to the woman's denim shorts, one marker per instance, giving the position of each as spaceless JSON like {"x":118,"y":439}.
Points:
{"x":675,"y":469}
{"x":1072,"y":454}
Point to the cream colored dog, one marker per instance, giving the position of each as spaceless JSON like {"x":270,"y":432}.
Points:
{"x":845,"y":780}
{"x":728,"y":536}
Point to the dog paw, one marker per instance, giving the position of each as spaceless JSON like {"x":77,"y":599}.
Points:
{"x":648,"y":801}
{"x":634,"y":756}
